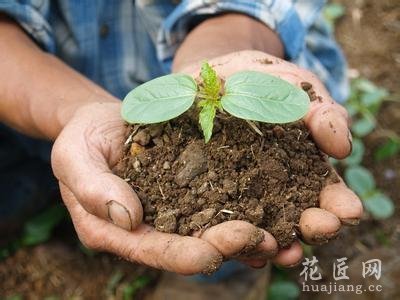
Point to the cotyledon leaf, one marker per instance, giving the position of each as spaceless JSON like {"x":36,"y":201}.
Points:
{"x":160,"y":99}
{"x":262,"y":97}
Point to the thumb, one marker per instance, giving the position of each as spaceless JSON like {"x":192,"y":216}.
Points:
{"x":79,"y":163}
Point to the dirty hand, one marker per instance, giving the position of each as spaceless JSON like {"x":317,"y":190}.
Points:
{"x":107,"y":214}
{"x":328,"y":123}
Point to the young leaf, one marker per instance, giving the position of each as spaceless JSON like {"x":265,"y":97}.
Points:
{"x":379,"y":205}
{"x":261,"y":97}
{"x":363,"y":126}
{"x":206,"y":118}
{"x":374,"y":98}
{"x":160,"y":99}
{"x":389,"y":149}
{"x":40,"y":227}
{"x":359,"y":180}
{"x":211,"y":82}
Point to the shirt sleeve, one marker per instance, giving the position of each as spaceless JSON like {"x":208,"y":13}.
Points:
{"x":298,"y":24}
{"x":32,"y":16}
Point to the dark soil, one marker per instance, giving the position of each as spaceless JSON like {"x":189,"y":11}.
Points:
{"x":60,"y":271}
{"x":186,"y":185}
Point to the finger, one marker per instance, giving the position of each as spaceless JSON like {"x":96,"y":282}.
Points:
{"x":318,"y":226}
{"x":233,"y":238}
{"x":255,"y":263}
{"x":289,"y":257}
{"x":171,"y":252}
{"x":329,"y":128}
{"x":265,"y":250}
{"x":83,"y":168}
{"x":342,"y":202}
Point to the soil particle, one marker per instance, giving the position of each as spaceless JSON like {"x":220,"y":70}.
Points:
{"x":202,"y":218}
{"x":166,"y":221}
{"x":308,"y":88}
{"x":193,"y":162}
{"x":142,"y":137}
{"x":186,"y":185}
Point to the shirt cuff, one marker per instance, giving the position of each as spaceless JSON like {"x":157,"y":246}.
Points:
{"x":280,"y":16}
{"x":32,"y":18}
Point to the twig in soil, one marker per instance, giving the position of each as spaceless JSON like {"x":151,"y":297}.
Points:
{"x":326,"y":173}
{"x":254,"y":127}
{"x":252,"y":152}
{"x":223,"y":147}
{"x":261,"y":145}
{"x":161,"y":191}
{"x":212,"y":187}
{"x":299,"y":136}
{"x":226,"y":211}
{"x":127,"y":179}
{"x":129,"y":139}
{"x":180,"y":134}
{"x":284,"y":213}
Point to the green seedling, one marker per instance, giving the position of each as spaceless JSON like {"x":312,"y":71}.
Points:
{"x":248,"y":95}
{"x":363,"y":105}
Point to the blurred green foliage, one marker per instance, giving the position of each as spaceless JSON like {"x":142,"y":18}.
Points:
{"x":363,"y":105}
{"x":333,"y":12}
{"x":37,"y":229}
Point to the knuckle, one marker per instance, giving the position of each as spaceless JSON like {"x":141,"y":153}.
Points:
{"x":87,"y":191}
{"x":89,"y":238}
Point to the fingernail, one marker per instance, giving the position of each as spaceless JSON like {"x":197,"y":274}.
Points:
{"x":350,"y":138}
{"x":214,"y":264}
{"x":260,"y":255}
{"x":119,"y":215}
{"x":350,"y":221}
{"x":294,"y":265}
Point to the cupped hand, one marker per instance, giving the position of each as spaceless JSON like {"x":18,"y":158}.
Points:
{"x":328,"y":123}
{"x":107,"y":214}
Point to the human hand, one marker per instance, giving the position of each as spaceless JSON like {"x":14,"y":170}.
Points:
{"x":107,"y":214}
{"x":328,"y":123}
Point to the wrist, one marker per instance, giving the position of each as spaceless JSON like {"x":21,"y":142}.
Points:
{"x":225,"y":34}
{"x":66,"y":112}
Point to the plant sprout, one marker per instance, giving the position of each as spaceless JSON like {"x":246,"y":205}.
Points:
{"x":248,"y":95}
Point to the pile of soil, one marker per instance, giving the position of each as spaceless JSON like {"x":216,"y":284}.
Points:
{"x":266,"y":178}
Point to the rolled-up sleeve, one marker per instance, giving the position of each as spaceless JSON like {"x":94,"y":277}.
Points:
{"x":280,"y":16}
{"x":32,"y":16}
{"x":298,"y":24}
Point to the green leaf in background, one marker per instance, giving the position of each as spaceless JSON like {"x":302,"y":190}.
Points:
{"x":160,"y":99}
{"x":113,"y":282}
{"x":379,"y":205}
{"x":374,"y":98}
{"x":283,"y":290}
{"x":364,"y":85}
{"x":38,"y":229}
{"x":357,"y":153}
{"x":360,"y":180}
{"x":14,"y":297}
{"x":261,"y":97}
{"x":388,"y":149}
{"x":139,"y":283}
{"x":332,"y":12}
{"x":352,"y":111}
{"x":363,"y":126}
{"x":206,"y":118}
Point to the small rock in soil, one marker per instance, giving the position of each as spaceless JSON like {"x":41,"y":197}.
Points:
{"x":202,"y":218}
{"x":193,"y":161}
{"x":166,"y":221}
{"x":142,"y":137}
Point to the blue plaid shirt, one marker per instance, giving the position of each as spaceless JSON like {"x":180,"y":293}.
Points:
{"x":122,"y":43}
